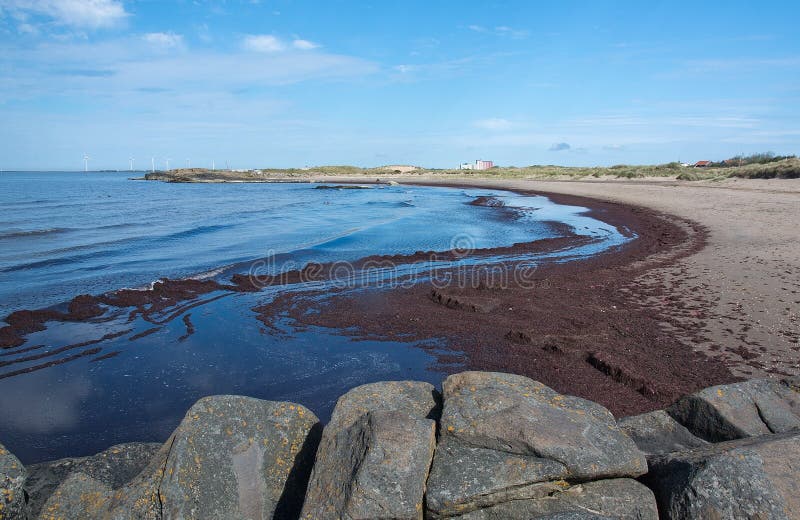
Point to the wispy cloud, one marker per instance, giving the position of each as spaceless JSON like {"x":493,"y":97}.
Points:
{"x":138,"y":64}
{"x":494,"y":124}
{"x":269,"y":44}
{"x":265,"y":43}
{"x":559,"y":147}
{"x":517,"y":34}
{"x":445,"y":68}
{"x":164,"y":40}
{"x":500,"y":30}
{"x":84,"y":14}
{"x":304,"y":45}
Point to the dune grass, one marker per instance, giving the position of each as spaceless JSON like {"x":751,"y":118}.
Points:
{"x":778,"y":168}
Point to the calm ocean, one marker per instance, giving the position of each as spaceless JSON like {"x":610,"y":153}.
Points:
{"x":65,"y":234}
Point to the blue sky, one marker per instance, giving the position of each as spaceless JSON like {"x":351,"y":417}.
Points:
{"x":294,"y":83}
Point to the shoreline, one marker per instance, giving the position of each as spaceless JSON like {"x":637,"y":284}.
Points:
{"x":626,"y":385}
{"x":741,"y":293}
{"x":582,"y":330}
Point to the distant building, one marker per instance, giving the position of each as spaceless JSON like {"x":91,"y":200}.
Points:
{"x":478,"y":165}
{"x":702,"y":164}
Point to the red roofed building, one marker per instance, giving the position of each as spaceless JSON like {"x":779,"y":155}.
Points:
{"x":702,"y":164}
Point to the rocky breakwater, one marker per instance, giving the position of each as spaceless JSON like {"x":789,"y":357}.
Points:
{"x":488,"y":446}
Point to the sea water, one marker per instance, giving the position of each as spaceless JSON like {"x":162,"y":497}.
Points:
{"x":65,"y":234}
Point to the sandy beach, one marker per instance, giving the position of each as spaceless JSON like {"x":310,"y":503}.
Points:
{"x":709,"y":294}
{"x":740,"y":293}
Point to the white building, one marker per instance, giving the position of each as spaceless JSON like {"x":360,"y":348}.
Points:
{"x":479,"y":165}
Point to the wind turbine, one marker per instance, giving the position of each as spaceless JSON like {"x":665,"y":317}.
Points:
{"x":188,"y":163}
{"x":167,"y":161}
{"x":213,"y":166}
{"x":153,"y":164}
{"x":132,"y":160}
{"x":86,"y":163}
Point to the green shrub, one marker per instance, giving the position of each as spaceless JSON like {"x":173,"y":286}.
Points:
{"x":688,"y":176}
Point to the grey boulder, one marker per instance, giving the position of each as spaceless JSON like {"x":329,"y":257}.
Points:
{"x":509,"y":444}
{"x":376,"y":468}
{"x":415,"y":398}
{"x":237,"y":457}
{"x":464,"y":478}
{"x":657,"y":432}
{"x":622,"y":499}
{"x":754,"y":478}
{"x":113,"y":468}
{"x":517,"y":415}
{"x":78,"y":496}
{"x":375,"y":453}
{"x":735,"y":411}
{"x":231,"y":457}
{"x":12,"y":480}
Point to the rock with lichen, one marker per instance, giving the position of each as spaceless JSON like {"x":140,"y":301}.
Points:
{"x":510,"y":445}
{"x":415,"y":398}
{"x":657,"y":432}
{"x":618,"y":499}
{"x":738,"y":410}
{"x":517,"y":415}
{"x":12,"y":480}
{"x":113,"y":468}
{"x":231,"y":457}
{"x":238,"y":457}
{"x":375,"y":453}
{"x":374,"y":468}
{"x":754,"y":477}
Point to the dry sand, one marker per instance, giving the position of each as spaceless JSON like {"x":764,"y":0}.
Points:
{"x":743,"y":289}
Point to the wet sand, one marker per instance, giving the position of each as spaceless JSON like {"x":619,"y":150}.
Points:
{"x":741,"y":292}
{"x":708,"y":294}
{"x":737,"y":299}
{"x":584,"y":327}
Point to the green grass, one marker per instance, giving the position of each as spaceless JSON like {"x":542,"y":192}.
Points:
{"x":783,"y":168}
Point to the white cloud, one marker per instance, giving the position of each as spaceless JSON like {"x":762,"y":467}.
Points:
{"x":494,"y":123}
{"x":268,"y":43}
{"x":517,"y":34}
{"x":164,"y":41}
{"x":125,"y":65}
{"x":263,"y":43}
{"x":500,"y":30}
{"x":90,"y":14}
{"x":304,"y":45}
